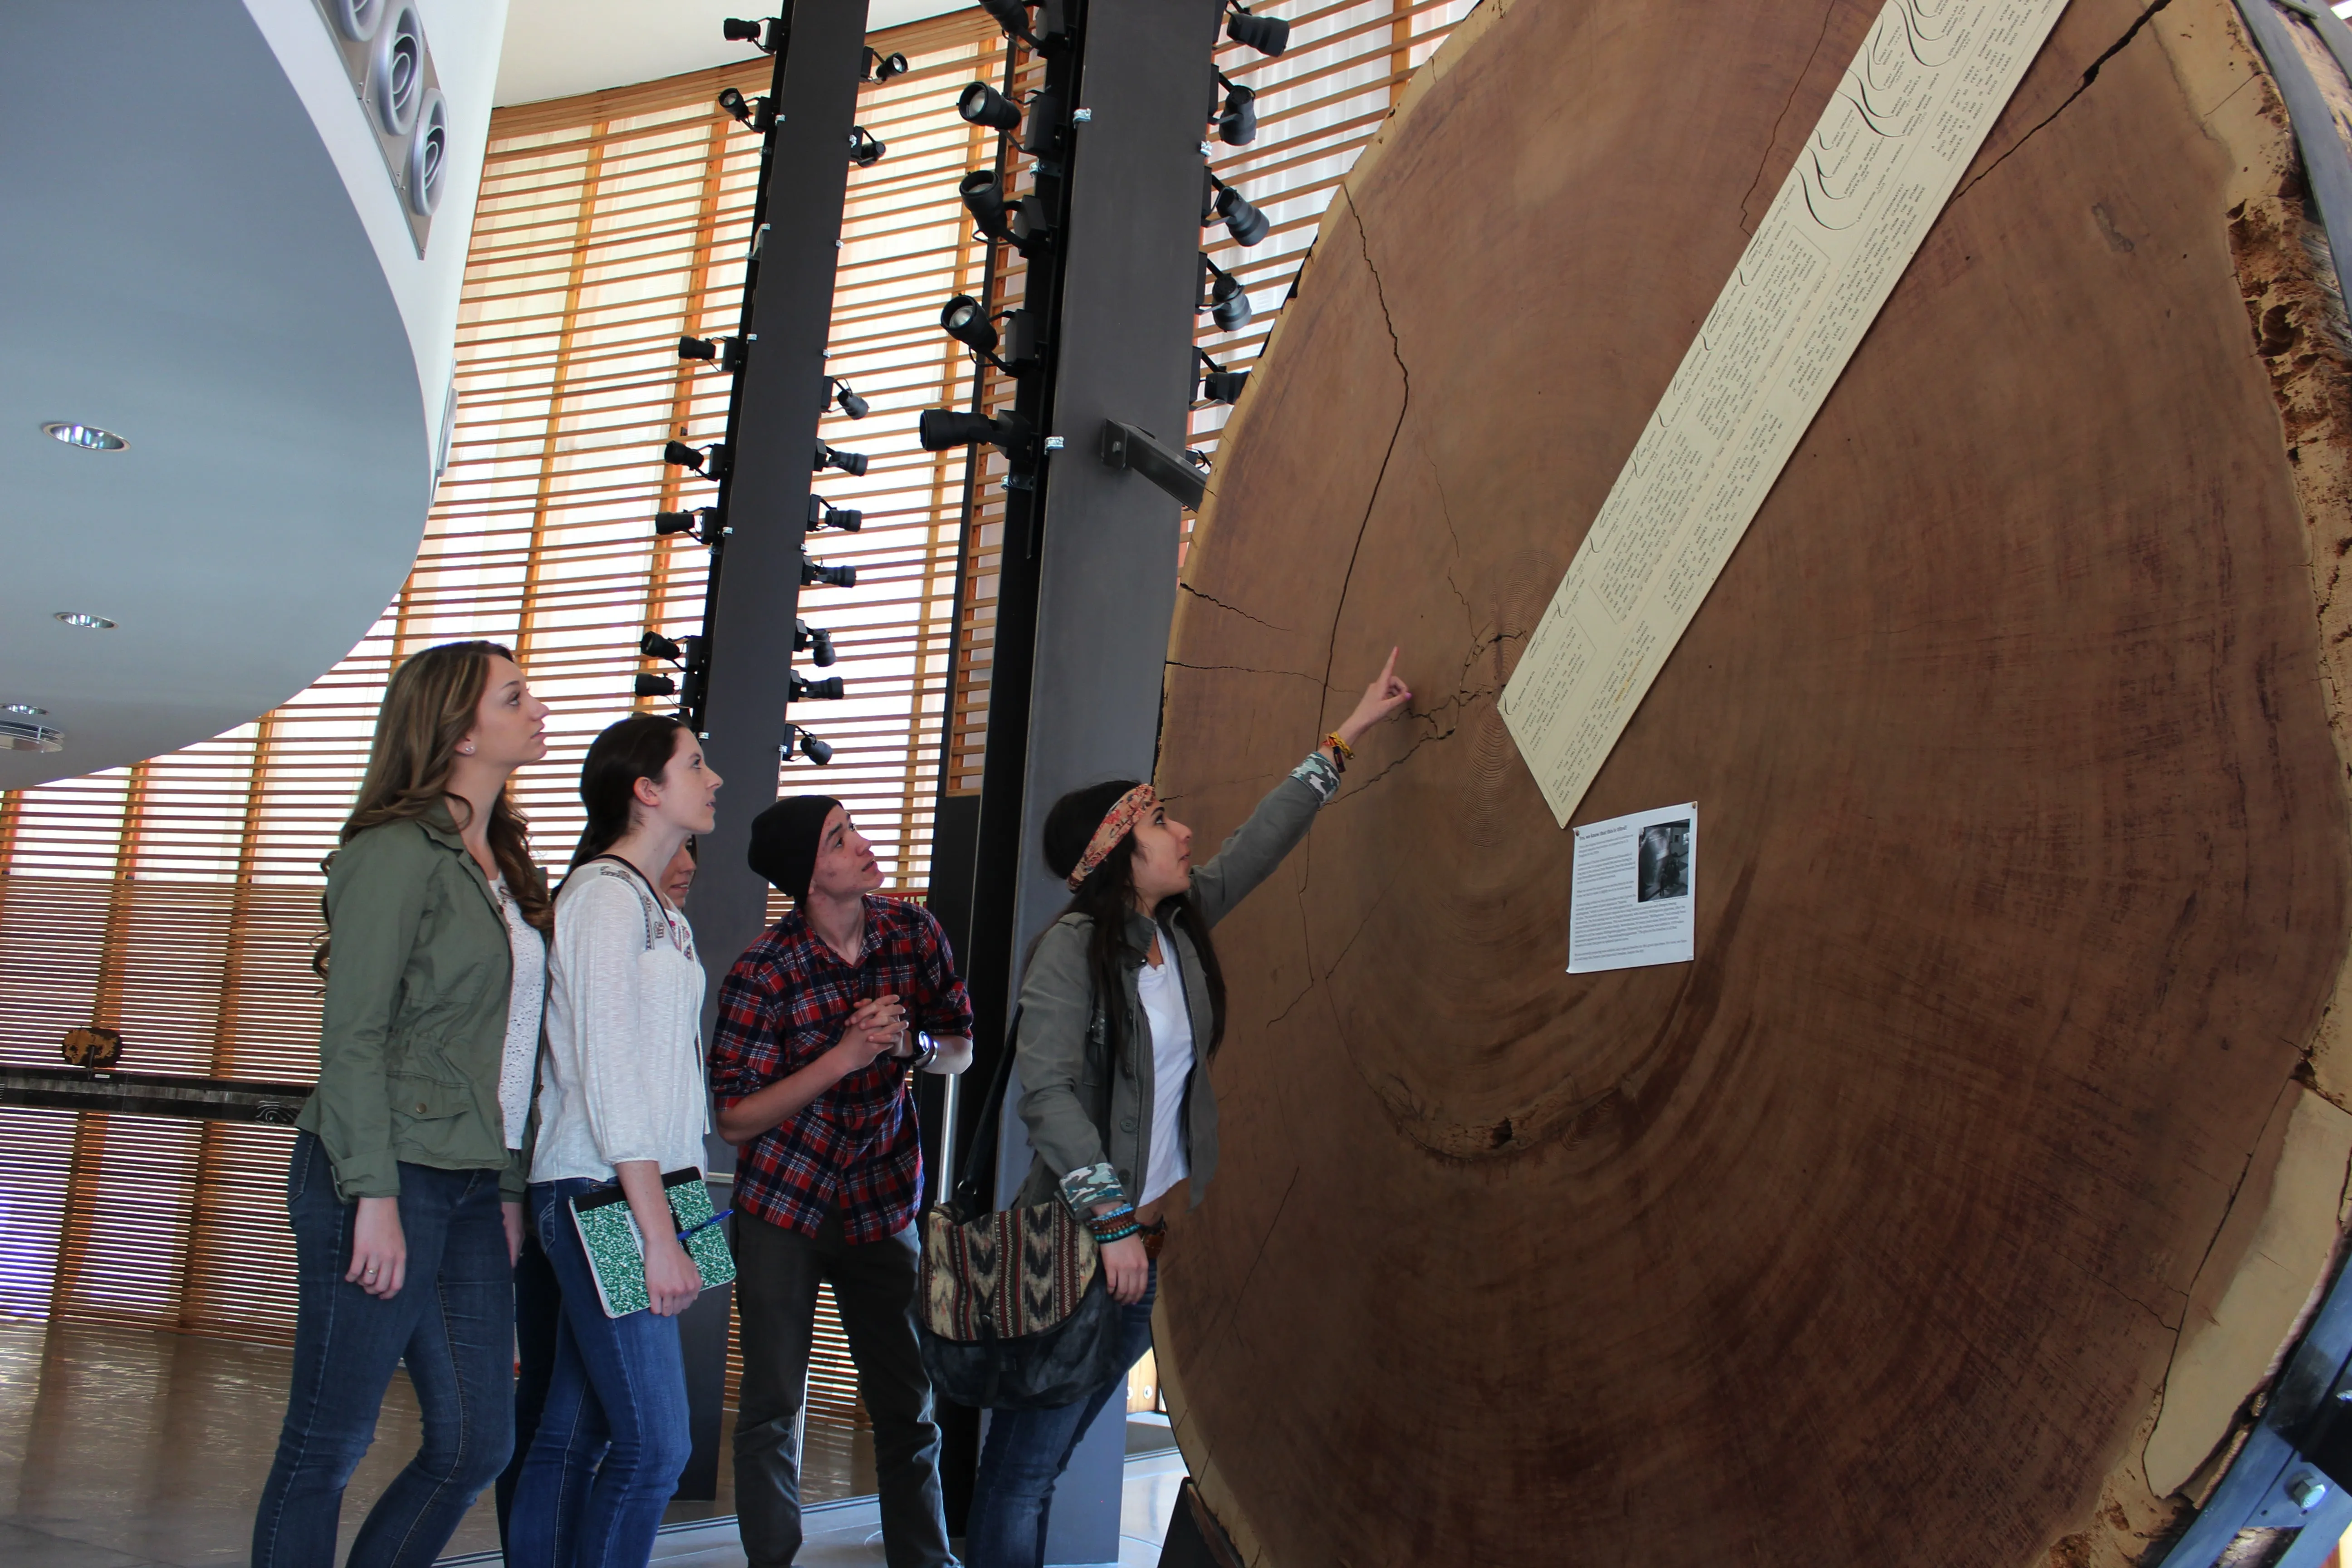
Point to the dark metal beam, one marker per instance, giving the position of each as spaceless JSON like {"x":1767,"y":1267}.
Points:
{"x":754,"y":595}
{"x":1088,"y":574}
{"x":154,"y":1094}
{"x":771,"y":440}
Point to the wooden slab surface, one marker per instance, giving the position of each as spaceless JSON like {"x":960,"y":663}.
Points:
{"x":1864,"y":1238}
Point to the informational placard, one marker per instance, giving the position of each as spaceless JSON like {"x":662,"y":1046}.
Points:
{"x":1634,"y":886}
{"x":1912,"y":111}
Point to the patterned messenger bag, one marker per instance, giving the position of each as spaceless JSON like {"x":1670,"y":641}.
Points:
{"x":1015,"y":1315}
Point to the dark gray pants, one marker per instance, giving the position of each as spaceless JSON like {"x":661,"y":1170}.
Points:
{"x":777,"y":1272}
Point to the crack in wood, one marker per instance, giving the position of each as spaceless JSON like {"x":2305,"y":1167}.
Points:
{"x":1236,"y":609}
{"x":2090,"y":75}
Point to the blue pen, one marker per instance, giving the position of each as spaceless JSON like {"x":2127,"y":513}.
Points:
{"x":703,"y":1224}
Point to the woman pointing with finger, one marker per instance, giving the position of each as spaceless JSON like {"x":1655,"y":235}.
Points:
{"x":1122,"y":1006}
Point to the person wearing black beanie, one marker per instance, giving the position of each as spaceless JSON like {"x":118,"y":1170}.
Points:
{"x":783,"y":841}
{"x":823,"y":1024}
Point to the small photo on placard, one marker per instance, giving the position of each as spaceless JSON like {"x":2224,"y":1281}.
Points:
{"x":1630,"y":902}
{"x":1664,"y":865}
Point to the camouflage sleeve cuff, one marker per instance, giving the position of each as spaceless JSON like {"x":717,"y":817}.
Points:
{"x":1318,"y":774}
{"x":1097,"y":1184}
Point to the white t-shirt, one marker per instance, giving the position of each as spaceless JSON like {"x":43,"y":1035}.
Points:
{"x":625,"y":1076}
{"x":1161,"y":991}
{"x":520,"y":1061}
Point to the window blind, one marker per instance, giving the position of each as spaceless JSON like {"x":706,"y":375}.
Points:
{"x":177,"y":900}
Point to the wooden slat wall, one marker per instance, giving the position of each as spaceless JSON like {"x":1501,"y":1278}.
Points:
{"x":177,"y":900}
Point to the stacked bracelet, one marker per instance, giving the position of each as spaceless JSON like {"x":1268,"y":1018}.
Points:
{"x":1129,"y":1228}
{"x":1340,"y":751}
{"x":1120,"y":1222}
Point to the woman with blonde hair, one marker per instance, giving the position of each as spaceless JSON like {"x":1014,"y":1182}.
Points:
{"x":406,"y":1184}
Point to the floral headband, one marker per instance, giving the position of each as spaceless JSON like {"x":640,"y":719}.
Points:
{"x":1117,"y":824}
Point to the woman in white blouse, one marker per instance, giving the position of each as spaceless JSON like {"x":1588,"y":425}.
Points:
{"x":622,"y":1102}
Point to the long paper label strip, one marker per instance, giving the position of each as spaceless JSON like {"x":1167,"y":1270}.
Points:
{"x":1913,"y":109}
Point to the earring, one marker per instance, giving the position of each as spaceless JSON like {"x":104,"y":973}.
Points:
{"x":465,"y":748}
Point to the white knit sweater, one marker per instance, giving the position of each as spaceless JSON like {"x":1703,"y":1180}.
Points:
{"x":625,"y":1076}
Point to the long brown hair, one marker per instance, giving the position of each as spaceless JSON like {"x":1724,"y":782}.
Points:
{"x":638,"y":747}
{"x":430,"y":704}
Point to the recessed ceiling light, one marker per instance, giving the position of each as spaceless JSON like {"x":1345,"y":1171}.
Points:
{"x":77,"y":619}
{"x":89,"y":437}
{"x":24,"y":710}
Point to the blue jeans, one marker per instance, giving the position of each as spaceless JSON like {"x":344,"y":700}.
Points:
{"x":613,"y":1438}
{"x":539,"y":1317}
{"x":1013,"y":1498}
{"x":452,"y":1324}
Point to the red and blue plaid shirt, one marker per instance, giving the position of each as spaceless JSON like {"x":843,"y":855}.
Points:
{"x":854,"y":1149}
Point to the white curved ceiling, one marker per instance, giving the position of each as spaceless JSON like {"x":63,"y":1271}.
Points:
{"x":185,"y":264}
{"x":556,"y":48}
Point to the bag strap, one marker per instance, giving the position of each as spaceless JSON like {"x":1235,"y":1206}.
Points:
{"x":972,"y":1193}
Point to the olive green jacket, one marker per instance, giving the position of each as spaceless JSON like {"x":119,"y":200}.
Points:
{"x":1083,"y":1109}
{"x":417,"y":979}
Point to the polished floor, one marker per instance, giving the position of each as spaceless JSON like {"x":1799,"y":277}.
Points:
{"x":126,"y":1448}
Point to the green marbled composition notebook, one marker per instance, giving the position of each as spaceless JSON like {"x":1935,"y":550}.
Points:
{"x":617,"y":1252}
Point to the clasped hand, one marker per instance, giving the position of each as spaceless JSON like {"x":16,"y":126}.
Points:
{"x":875,"y":1028}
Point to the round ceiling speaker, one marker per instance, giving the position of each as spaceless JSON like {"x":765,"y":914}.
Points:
{"x":428,"y":149}
{"x":356,"y":20}
{"x":396,"y":70}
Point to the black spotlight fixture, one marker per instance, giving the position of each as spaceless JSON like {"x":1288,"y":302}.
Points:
{"x":944,"y":429}
{"x":656,"y":686}
{"x":799,"y":687}
{"x":805,"y":636}
{"x":965,"y":320}
{"x":814,"y":749}
{"x":1016,"y":223}
{"x":1227,"y":304}
{"x":823,"y":514}
{"x":816,"y":573}
{"x":848,"y":402}
{"x":1266,"y":35}
{"x":653,"y":644}
{"x":702,"y":522}
{"x":981,"y":104}
{"x":1013,"y":15}
{"x":984,"y":199}
{"x":711,"y":463}
{"x":882,"y":68}
{"x":759,"y":113}
{"x":864,"y":150}
{"x":725,"y":352}
{"x":834,"y":457}
{"x":1244,"y":222}
{"x":1220,"y":386}
{"x":768,"y":35}
{"x":1237,"y":121}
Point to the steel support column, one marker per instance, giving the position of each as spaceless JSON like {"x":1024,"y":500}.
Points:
{"x":1089,"y":582}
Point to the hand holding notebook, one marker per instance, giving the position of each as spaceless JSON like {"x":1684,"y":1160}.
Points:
{"x":615,"y":1247}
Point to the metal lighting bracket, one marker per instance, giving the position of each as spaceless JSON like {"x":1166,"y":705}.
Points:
{"x":1126,"y":446}
{"x":2273,"y":1484}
